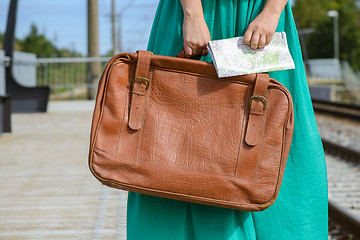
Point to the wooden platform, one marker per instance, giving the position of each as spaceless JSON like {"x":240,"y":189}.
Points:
{"x":47,"y":191}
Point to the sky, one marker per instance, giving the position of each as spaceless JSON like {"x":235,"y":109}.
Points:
{"x":64,"y":22}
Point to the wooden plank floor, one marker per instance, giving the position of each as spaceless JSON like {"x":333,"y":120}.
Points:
{"x":47,"y":190}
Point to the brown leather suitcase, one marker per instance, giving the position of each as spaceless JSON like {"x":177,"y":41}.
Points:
{"x":169,"y":127}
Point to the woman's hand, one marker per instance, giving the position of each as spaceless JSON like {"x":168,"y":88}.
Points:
{"x":261,"y":30}
{"x":195,"y":31}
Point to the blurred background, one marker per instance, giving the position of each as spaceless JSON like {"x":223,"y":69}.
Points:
{"x":51,"y":56}
{"x":57,"y":36}
{"x":57,"y":33}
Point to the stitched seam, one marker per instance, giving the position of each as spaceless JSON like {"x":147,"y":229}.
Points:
{"x":210,"y":200}
{"x":122,"y":122}
{"x":243,"y":130}
{"x":127,"y":102}
{"x":101,"y":113}
{"x":165,"y":165}
{"x":263,"y":116}
{"x":144,"y":114}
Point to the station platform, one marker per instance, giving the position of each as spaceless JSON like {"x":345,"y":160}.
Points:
{"x":47,"y":189}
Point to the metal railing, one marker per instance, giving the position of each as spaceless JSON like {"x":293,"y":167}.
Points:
{"x":351,"y":81}
{"x":68,"y":78}
{"x":341,"y":80}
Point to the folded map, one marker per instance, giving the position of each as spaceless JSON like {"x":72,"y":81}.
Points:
{"x":232,"y":57}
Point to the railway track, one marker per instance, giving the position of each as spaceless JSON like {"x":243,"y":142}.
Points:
{"x":343,"y":166}
{"x":338,"y":109}
{"x":344,"y":192}
{"x":343,"y":222}
{"x":333,"y":148}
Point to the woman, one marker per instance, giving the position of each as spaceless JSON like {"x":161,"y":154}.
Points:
{"x":300,"y":211}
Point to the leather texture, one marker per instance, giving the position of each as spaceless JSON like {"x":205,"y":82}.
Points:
{"x":169,"y":127}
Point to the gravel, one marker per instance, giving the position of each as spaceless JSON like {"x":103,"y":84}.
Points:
{"x":338,"y":130}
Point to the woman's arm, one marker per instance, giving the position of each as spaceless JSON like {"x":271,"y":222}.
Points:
{"x":261,"y":30}
{"x":195,"y":31}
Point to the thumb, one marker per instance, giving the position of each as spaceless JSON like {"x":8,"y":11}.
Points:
{"x":188,"y":52}
{"x":181,"y":54}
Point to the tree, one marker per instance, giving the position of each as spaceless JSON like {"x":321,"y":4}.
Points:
{"x":320,"y":44}
{"x":37,"y":43}
{"x":309,"y":12}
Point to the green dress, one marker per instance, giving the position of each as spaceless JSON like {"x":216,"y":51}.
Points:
{"x":300,"y":212}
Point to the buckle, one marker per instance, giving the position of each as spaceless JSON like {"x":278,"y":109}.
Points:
{"x":262,"y":98}
{"x":141,"y":81}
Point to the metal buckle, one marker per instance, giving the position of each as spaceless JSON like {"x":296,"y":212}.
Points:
{"x":142,"y":80}
{"x":262,"y":98}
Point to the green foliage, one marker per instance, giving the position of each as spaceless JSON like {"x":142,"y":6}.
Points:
{"x":320,"y":44}
{"x":309,"y":12}
{"x":37,"y":43}
{"x":64,"y":52}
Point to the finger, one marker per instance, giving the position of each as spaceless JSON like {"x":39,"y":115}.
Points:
{"x":204,"y":52}
{"x":255,"y":41}
{"x":188,"y":52}
{"x":197,"y":51}
{"x":262,"y":41}
{"x":268,"y":39}
{"x":181,"y":54}
{"x":247,"y":37}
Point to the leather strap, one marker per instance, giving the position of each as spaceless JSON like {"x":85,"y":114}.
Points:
{"x":139,"y":87}
{"x":257,"y":107}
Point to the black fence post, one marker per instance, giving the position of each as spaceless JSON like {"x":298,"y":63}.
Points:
{"x":23,"y":99}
